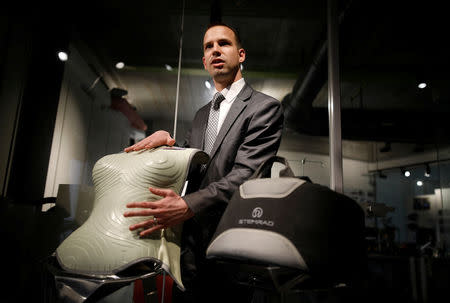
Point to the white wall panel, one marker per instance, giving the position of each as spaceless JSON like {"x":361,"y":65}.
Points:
{"x":86,"y":129}
{"x":57,"y":136}
{"x":72,"y":151}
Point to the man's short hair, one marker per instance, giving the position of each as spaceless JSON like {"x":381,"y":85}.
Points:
{"x":235,"y":31}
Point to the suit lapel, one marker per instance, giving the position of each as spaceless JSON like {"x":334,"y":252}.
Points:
{"x":200,"y":127}
{"x":236,"y":108}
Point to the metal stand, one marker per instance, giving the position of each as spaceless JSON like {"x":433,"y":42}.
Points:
{"x":273,"y":283}
{"x":164,"y":286}
{"x":418,"y":275}
{"x":81,"y":288}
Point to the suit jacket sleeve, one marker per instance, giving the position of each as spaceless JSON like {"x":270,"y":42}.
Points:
{"x":259,"y":135}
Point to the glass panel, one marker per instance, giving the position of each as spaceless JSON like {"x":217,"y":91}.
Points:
{"x":279,"y":54}
{"x":395,"y":108}
{"x":398,"y":123}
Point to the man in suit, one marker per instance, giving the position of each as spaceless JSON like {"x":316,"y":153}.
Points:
{"x":248,"y":132}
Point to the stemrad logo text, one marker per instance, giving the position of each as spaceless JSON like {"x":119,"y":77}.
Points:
{"x":256,"y":213}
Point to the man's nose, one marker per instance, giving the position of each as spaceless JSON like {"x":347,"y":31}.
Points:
{"x":216,"y":49}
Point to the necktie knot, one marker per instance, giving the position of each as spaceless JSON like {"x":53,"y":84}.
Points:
{"x":218,"y":98}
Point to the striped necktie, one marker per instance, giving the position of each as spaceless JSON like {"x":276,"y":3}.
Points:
{"x":213,"y":120}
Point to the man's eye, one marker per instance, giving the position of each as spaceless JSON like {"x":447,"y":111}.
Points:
{"x":224,"y":43}
{"x":207,"y":46}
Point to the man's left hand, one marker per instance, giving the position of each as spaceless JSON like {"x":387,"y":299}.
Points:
{"x":169,"y":211}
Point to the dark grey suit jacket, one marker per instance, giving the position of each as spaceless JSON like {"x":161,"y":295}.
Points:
{"x":250,"y":134}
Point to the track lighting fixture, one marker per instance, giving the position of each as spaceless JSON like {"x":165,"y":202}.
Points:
{"x":120,"y":65}
{"x":421,"y":79}
{"x":381,"y":175}
{"x":419,"y":148}
{"x":386,"y":148}
{"x":427,"y":170}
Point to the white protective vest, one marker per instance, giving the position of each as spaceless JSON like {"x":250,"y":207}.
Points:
{"x":104,"y":245}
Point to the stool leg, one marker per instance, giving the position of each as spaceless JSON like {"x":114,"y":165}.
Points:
{"x":138,"y":293}
{"x":163,"y":287}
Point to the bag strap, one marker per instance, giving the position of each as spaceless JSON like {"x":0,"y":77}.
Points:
{"x":264,"y":170}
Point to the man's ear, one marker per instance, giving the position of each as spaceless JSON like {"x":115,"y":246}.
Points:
{"x":204,"y":62}
{"x":241,"y":55}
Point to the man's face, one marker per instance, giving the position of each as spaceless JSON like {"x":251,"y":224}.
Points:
{"x":222,"y":57}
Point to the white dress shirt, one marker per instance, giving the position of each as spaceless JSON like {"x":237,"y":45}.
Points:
{"x":230,"y":93}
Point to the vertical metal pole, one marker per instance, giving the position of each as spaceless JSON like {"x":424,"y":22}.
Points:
{"x":413,"y":276}
{"x":163,"y":287}
{"x":334,"y":98}
{"x":178,"y":77}
{"x":423,"y":280}
{"x":439,"y":244}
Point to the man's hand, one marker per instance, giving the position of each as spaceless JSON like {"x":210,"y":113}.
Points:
{"x":158,"y":138}
{"x":169,"y":211}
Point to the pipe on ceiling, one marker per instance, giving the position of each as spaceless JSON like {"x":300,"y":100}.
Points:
{"x":298,"y":104}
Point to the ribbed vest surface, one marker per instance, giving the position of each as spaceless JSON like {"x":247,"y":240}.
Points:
{"x":104,"y":244}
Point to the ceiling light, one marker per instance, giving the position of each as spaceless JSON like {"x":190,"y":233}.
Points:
{"x":419,"y":183}
{"x":63,"y":56}
{"x":422,"y":85}
{"x":120,"y":65}
{"x":405,"y":172}
{"x":207,"y":84}
{"x":427,"y":170}
{"x":169,"y":68}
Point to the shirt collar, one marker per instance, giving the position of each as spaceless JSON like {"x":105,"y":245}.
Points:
{"x":233,"y":90}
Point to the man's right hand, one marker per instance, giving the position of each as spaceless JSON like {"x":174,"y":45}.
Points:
{"x":158,"y":138}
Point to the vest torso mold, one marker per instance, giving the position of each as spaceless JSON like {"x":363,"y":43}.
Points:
{"x":104,"y":245}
